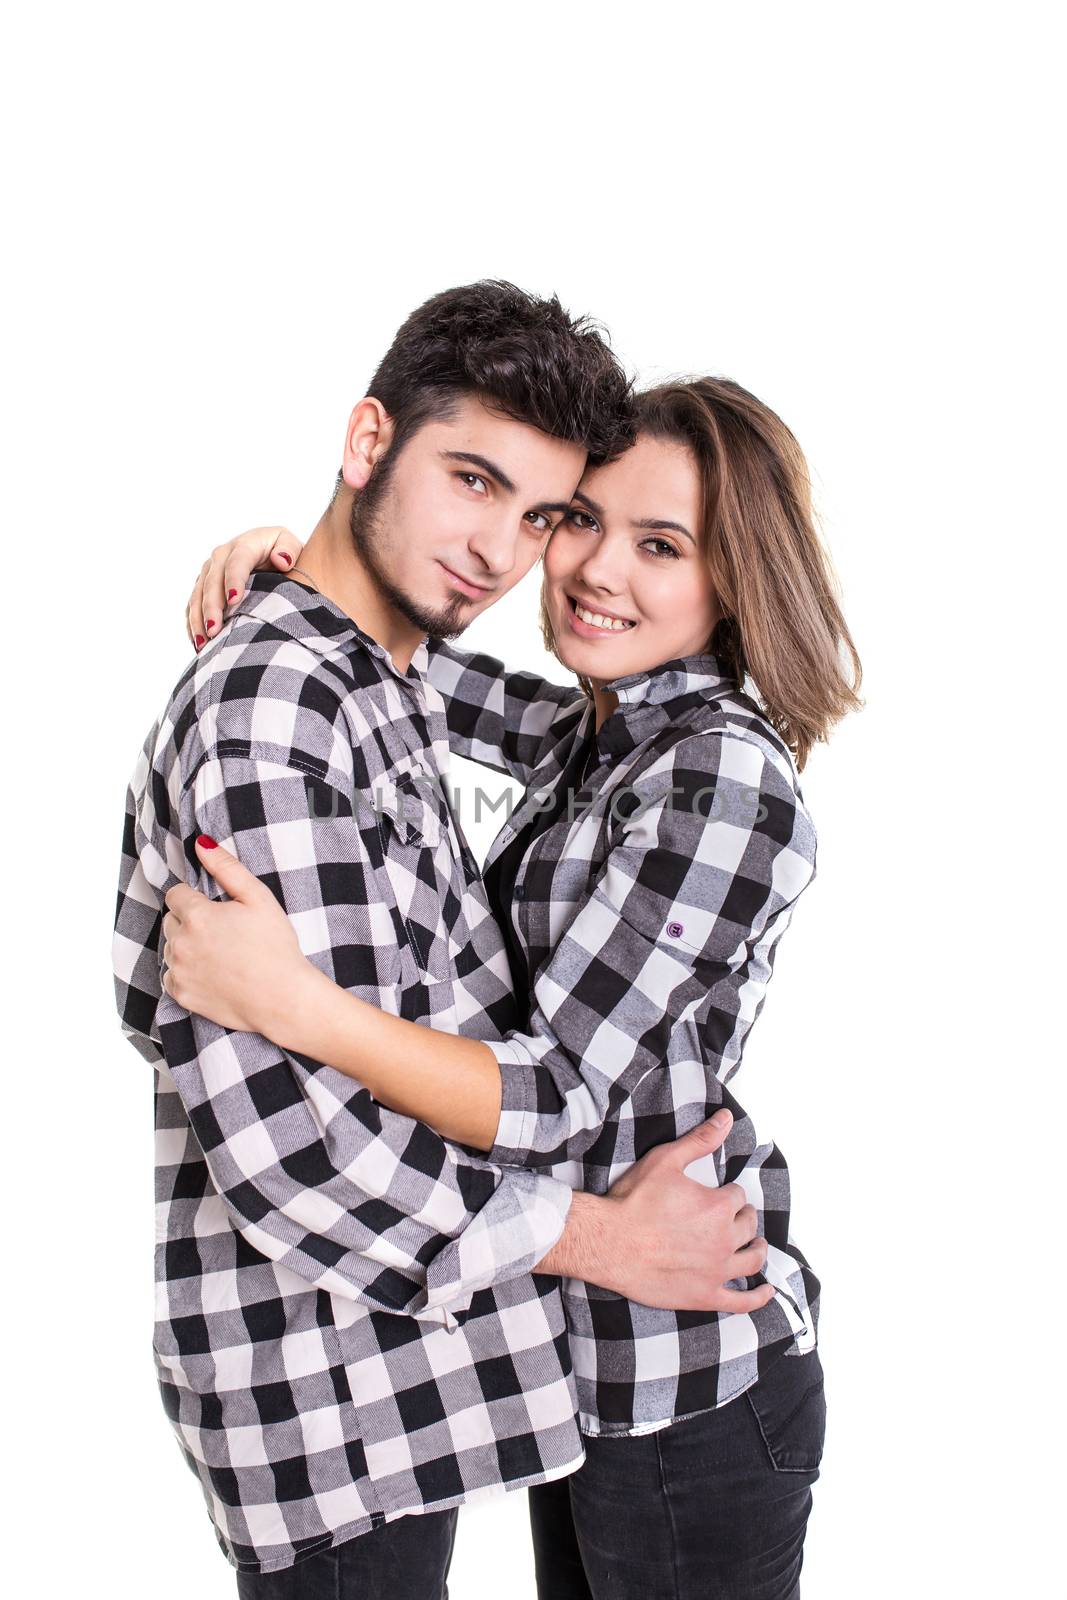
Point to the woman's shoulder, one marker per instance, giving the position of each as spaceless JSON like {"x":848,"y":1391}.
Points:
{"x":728,"y":729}
{"x":722,"y":763}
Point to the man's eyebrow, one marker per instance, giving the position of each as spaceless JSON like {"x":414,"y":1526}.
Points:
{"x":552,"y":505}
{"x":652,"y":523}
{"x":486,"y":465}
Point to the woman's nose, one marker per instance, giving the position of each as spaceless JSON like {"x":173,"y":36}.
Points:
{"x":602,"y":569}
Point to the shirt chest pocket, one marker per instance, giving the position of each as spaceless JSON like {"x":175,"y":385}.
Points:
{"x":419,"y":864}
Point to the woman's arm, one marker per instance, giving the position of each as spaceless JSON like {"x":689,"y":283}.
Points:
{"x":653,"y":1238}
{"x":443,"y":1079}
{"x":225,"y":574}
{"x":240,"y":965}
{"x":714,"y":850}
{"x":503,"y":719}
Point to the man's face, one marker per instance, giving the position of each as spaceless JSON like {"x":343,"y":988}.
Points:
{"x":461,"y":514}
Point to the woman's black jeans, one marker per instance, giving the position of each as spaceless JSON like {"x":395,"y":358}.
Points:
{"x":714,"y":1507}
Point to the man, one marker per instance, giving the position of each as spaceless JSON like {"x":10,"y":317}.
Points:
{"x":357,"y":1320}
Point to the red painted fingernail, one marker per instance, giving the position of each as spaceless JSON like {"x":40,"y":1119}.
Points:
{"x":232,"y":595}
{"x":199,"y":640}
{"x":210,"y":623}
{"x":206,"y":841}
{"x":286,"y":557}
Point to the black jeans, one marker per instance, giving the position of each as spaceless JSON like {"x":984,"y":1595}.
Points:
{"x":714,"y":1507}
{"x":403,"y":1560}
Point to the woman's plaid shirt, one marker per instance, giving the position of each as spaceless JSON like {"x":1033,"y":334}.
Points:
{"x":346,"y":1324}
{"x":647,"y":876}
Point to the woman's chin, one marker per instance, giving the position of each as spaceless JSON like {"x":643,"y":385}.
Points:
{"x":570,"y":653}
{"x":594,"y":662}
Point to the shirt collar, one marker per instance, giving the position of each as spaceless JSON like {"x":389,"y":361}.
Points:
{"x":305,"y":614}
{"x":650,"y":700}
{"x":674,"y":680}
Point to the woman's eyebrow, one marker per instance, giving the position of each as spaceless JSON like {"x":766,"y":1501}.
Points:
{"x":660,"y":522}
{"x":653,"y":523}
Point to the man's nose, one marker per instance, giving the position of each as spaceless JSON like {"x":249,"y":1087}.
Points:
{"x":495,"y":544}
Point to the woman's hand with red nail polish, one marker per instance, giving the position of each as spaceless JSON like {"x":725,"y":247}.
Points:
{"x":236,"y":961}
{"x":227,"y":570}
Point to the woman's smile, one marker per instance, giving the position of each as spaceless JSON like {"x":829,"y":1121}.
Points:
{"x":591,"y":622}
{"x":625,"y":567}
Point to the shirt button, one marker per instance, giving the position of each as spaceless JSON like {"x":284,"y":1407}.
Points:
{"x":520,"y":892}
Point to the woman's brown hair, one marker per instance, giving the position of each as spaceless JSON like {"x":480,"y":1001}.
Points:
{"x":781,"y":621}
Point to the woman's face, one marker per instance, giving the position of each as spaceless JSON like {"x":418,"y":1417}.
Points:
{"x":626,"y":585}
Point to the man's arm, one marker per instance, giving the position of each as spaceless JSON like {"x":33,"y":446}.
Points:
{"x":502,"y":719}
{"x":663,"y":1238}
{"x":354,"y":1198}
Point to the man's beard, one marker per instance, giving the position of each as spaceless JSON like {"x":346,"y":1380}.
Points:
{"x":369,"y":539}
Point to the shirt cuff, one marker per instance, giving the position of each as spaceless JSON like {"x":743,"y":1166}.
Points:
{"x":516,"y":1137}
{"x":512,"y":1232}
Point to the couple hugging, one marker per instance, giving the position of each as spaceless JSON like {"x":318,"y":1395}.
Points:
{"x":452,"y":1197}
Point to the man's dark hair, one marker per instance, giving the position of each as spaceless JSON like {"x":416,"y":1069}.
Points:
{"x":523,"y":356}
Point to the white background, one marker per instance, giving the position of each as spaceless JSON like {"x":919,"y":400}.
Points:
{"x":217,"y":216}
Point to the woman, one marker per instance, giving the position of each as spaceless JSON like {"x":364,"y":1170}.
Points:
{"x":642,"y":886}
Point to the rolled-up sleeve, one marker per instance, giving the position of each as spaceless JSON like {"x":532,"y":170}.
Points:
{"x":354,"y":1198}
{"x":709,"y":850}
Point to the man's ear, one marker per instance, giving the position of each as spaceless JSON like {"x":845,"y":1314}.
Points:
{"x":370,"y":431}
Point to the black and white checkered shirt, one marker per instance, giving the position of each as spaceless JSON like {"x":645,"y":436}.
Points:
{"x":347,"y":1328}
{"x":643,"y":884}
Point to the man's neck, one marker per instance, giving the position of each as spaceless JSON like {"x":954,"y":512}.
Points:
{"x":332,"y":562}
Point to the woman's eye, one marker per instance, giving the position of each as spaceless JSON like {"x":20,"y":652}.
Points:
{"x":664,"y":551}
{"x":580,"y":519}
{"x":471,"y":479}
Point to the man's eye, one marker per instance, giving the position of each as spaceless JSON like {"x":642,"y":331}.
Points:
{"x":471,"y":479}
{"x":539,"y":521}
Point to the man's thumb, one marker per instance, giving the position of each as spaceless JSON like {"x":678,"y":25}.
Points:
{"x":706,"y":1137}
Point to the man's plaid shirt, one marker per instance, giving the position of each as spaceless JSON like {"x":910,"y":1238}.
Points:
{"x":346,"y":1324}
{"x":643,"y":883}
